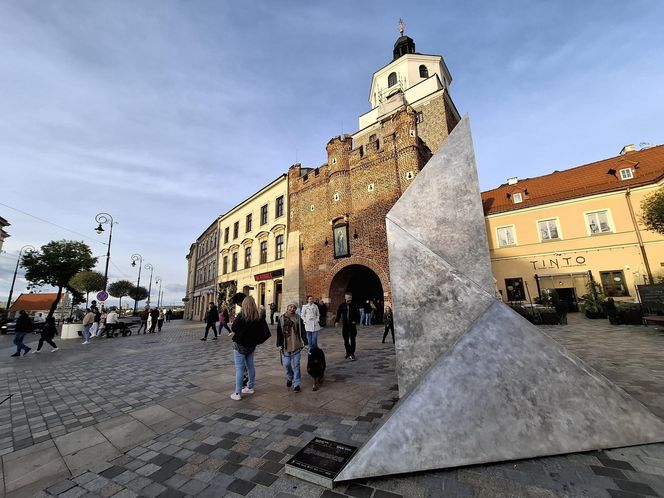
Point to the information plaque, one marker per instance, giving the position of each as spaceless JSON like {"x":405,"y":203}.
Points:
{"x":320,"y":461}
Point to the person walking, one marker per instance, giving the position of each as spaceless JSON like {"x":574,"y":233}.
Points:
{"x":273,"y":310}
{"x":366,"y":320}
{"x":94,"y":329}
{"x":112,"y":320}
{"x":169,"y":314}
{"x":154,"y":316}
{"x":291,"y":338}
{"x":211,"y":319}
{"x":24,"y":326}
{"x":47,"y":334}
{"x":349,"y":315}
{"x":160,"y":319}
{"x":143,"y":315}
{"x":223,"y":320}
{"x":311,"y":317}
{"x":102,"y":323}
{"x":248,"y":329}
{"x":322,"y":311}
{"x":88,"y":320}
{"x":388,"y":318}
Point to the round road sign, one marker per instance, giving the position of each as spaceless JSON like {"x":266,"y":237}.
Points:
{"x":102,"y":296}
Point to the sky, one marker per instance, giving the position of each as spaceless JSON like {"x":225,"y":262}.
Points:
{"x":166,"y":114}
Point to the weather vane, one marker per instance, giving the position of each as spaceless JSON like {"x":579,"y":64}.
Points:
{"x":402,"y":26}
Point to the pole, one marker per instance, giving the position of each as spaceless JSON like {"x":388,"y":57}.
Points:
{"x":134,"y":258}
{"x":158,"y":281}
{"x":18,"y":262}
{"x":148,"y":266}
{"x":105,"y":218}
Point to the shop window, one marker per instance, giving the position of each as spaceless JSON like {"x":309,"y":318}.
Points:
{"x":598,"y":222}
{"x":515,"y":291}
{"x":279,"y":249}
{"x":548,"y":230}
{"x":613,"y":283}
{"x":506,"y":236}
{"x":264,"y":252}
{"x":234,"y":262}
{"x":264,"y":214}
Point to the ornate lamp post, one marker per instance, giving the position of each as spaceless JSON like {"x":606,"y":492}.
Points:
{"x":18,"y":262}
{"x":139,"y":258}
{"x":148,"y":266}
{"x":158,"y":281}
{"x":103,"y":219}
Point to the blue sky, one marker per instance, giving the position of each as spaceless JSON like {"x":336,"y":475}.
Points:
{"x":167,"y":113}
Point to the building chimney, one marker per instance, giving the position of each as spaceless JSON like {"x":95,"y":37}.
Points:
{"x":627,"y":148}
{"x":512,"y":181}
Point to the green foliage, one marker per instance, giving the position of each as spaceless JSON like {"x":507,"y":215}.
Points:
{"x":55,"y":264}
{"x":652,"y":212}
{"x":594,"y":299}
{"x":138,"y":293}
{"x":120,"y":289}
{"x":87,"y":281}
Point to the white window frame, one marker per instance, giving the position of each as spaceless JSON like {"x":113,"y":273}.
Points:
{"x":513,"y":236}
{"x":626,"y":174}
{"x":556,"y":220}
{"x":609,"y":220}
{"x":517,"y":198}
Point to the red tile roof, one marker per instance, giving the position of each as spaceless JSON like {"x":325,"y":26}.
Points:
{"x":34,"y":302}
{"x":647,"y":167}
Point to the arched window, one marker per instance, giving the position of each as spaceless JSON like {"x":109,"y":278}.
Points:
{"x":424,"y":72}
{"x":392,"y":79}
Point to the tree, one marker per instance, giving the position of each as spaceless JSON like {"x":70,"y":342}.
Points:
{"x":55,"y":264}
{"x":87,"y":281}
{"x":652,"y":212}
{"x":120,"y":289}
{"x":138,"y":293}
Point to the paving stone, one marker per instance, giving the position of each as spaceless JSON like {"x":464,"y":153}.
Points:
{"x":241,"y":487}
{"x":193,"y":487}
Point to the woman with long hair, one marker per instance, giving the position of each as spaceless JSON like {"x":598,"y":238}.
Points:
{"x":248,"y":328}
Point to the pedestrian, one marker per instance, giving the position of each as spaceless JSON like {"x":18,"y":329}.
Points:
{"x":248,"y":329}
{"x":291,"y":339}
{"x":273,"y":310}
{"x":367,"y":313}
{"x":224,"y":319}
{"x":262,"y":312}
{"x":169,"y":315}
{"x":94,"y":330}
{"x":112,"y":320}
{"x":47,"y":334}
{"x":322,"y":312}
{"x":154,"y":316}
{"x":388,"y":318}
{"x":24,"y":326}
{"x":211,"y":319}
{"x":349,"y":315}
{"x":88,"y":320}
{"x":311,"y":317}
{"x":143,"y":315}
{"x":102,"y":323}
{"x":160,"y":319}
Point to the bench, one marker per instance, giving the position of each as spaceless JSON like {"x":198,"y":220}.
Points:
{"x":653,"y":319}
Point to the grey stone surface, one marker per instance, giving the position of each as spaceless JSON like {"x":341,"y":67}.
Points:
{"x":489,"y":386}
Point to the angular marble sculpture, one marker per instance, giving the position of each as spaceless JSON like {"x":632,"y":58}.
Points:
{"x":478,"y":383}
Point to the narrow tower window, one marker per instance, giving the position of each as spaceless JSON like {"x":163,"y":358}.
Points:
{"x":424,"y":72}
{"x":392,"y":79}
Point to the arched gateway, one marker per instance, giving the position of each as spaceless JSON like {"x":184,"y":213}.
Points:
{"x":358,"y":279}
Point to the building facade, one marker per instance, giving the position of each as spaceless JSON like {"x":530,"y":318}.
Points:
{"x":252,"y":248}
{"x":203,"y":262}
{"x":3,"y":234}
{"x":564,"y":230}
{"x":337,"y":236}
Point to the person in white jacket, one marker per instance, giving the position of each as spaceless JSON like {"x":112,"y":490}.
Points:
{"x":311,"y":318}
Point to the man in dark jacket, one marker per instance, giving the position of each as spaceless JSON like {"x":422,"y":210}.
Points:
{"x":349,"y":315}
{"x":211,"y":319}
{"x":24,"y":326}
{"x":143,"y":315}
{"x":154,"y":314}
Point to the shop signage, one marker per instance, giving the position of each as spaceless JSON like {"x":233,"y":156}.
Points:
{"x":268,"y":275}
{"x":320,"y":461}
{"x":557,"y":263}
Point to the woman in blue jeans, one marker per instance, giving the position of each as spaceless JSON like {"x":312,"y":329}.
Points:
{"x":248,"y":327}
{"x":291,"y":339}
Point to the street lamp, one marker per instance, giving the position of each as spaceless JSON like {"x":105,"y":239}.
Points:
{"x":139,"y":258}
{"x":18,"y":262}
{"x":103,"y":219}
{"x":148,"y":266}
{"x":158,"y":281}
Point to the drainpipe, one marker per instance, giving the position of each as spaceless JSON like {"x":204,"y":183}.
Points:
{"x":628,"y":197}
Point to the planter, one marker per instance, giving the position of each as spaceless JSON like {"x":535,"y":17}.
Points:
{"x":595,"y":315}
{"x":71,"y":331}
{"x":614,"y":320}
{"x":630,"y":318}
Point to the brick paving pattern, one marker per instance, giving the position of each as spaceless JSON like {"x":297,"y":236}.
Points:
{"x":239,"y":448}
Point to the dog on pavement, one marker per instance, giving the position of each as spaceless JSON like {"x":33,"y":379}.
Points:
{"x":316,"y":366}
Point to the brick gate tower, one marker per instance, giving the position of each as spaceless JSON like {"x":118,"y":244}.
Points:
{"x":337,"y":211}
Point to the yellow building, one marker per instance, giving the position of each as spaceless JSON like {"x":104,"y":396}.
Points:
{"x":252,"y":247}
{"x":562,"y":230}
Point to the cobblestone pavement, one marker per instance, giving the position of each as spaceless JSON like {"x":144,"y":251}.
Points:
{"x":150,"y":416}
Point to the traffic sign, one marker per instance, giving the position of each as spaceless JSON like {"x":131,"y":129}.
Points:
{"x":102,"y":296}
